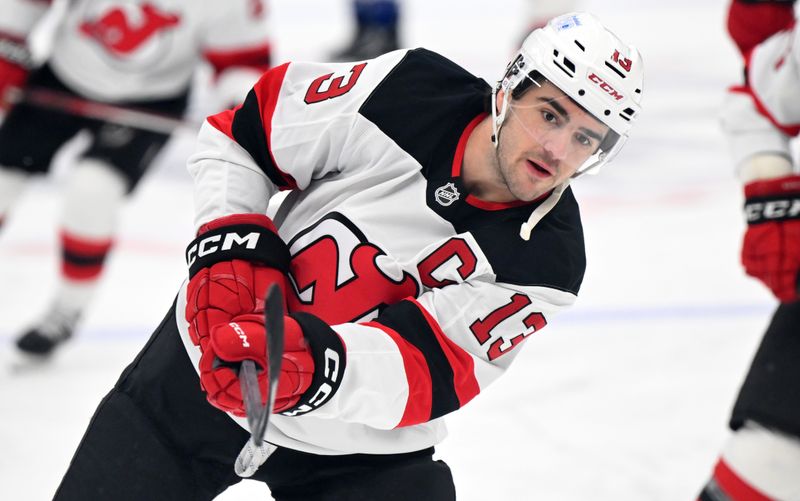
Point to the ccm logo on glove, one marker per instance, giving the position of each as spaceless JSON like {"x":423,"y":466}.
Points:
{"x":204,"y":247}
{"x":241,"y":333}
{"x":771,"y":247}
{"x":773,"y":210}
{"x":325,"y":389}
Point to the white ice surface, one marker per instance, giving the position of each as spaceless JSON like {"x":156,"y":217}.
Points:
{"x":626,"y":397}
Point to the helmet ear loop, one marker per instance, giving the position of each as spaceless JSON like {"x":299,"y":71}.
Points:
{"x":499,"y":118}
{"x":510,"y":80}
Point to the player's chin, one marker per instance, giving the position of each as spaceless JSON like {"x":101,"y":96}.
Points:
{"x":534,"y":188}
{"x":529,"y":193}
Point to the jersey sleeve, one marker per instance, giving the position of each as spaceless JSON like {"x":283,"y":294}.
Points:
{"x":762,"y":115}
{"x":298,"y":123}
{"x":772,"y":81}
{"x":425,"y":357}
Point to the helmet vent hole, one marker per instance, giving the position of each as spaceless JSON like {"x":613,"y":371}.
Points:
{"x":607,"y":112}
{"x":638,"y":91}
{"x":581,"y":47}
{"x":566,"y":66}
{"x":555,"y":52}
{"x":615,"y":70}
{"x":581,"y":92}
{"x":627,"y":114}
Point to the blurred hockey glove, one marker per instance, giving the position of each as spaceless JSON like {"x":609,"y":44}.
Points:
{"x":14,"y":67}
{"x":750,"y":22}
{"x":311,"y":370}
{"x":232,"y":262}
{"x":771,"y":248}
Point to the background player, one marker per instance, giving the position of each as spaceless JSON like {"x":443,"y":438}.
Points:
{"x":135,"y":56}
{"x":762,"y":458}
{"x":377,"y":25}
{"x":418,"y":258}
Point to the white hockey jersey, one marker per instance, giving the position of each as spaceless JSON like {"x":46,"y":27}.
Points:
{"x":430,"y":288}
{"x":141,"y":50}
{"x":763,"y":115}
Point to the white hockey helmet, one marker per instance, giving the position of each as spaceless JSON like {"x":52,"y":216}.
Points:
{"x":591,"y":65}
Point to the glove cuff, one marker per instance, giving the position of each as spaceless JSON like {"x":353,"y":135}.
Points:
{"x":251,"y":237}
{"x":772,"y":200}
{"x":780,"y":187}
{"x":328,"y":351}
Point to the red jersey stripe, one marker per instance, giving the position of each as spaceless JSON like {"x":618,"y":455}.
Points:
{"x":464,"y":381}
{"x":420,"y":388}
{"x":267,"y":90}
{"x":735,"y":486}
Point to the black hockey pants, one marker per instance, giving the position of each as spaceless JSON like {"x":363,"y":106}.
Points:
{"x":154,"y":437}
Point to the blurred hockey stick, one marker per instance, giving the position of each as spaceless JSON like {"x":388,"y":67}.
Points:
{"x":256,"y":451}
{"x":138,"y":119}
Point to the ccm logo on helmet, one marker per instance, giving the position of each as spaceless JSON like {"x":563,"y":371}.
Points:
{"x":210,"y":245}
{"x":605,"y":86}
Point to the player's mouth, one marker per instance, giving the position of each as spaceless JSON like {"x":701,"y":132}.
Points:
{"x":540,"y":169}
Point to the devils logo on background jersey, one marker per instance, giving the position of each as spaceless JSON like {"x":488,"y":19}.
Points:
{"x":131,"y":34}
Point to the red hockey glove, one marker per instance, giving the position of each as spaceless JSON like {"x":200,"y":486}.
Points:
{"x":14,"y":64}
{"x":750,"y":22}
{"x":232,"y":262}
{"x":311,"y":370}
{"x":771,"y":248}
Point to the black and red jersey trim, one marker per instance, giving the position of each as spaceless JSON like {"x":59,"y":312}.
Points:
{"x":450,"y":369}
{"x":250,"y":125}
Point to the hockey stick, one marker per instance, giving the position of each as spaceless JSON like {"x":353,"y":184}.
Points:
{"x":138,"y":119}
{"x":255,"y":452}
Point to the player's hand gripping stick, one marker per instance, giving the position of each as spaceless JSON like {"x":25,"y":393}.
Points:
{"x":256,"y":451}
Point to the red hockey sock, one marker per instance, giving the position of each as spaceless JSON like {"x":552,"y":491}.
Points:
{"x":83,"y":258}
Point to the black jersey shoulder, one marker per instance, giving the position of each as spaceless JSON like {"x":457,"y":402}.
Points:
{"x":424,"y":104}
{"x":553,"y":257}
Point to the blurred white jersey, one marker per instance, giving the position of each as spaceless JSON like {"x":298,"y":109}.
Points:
{"x":431,"y":289}
{"x":761,"y":116}
{"x":132,"y":50}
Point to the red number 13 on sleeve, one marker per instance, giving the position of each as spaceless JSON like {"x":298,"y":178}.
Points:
{"x":482,"y":328}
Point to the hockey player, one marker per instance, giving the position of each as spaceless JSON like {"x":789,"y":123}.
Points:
{"x":428,"y":231}
{"x":133,"y":55}
{"x":376,"y":30}
{"x":762,"y":457}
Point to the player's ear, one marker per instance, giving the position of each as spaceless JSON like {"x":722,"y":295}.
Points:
{"x":498,"y":102}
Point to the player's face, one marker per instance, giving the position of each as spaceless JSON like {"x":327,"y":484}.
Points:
{"x":544,"y":139}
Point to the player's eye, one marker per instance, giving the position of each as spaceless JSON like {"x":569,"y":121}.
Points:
{"x":549,"y":117}
{"x":583,"y":139}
